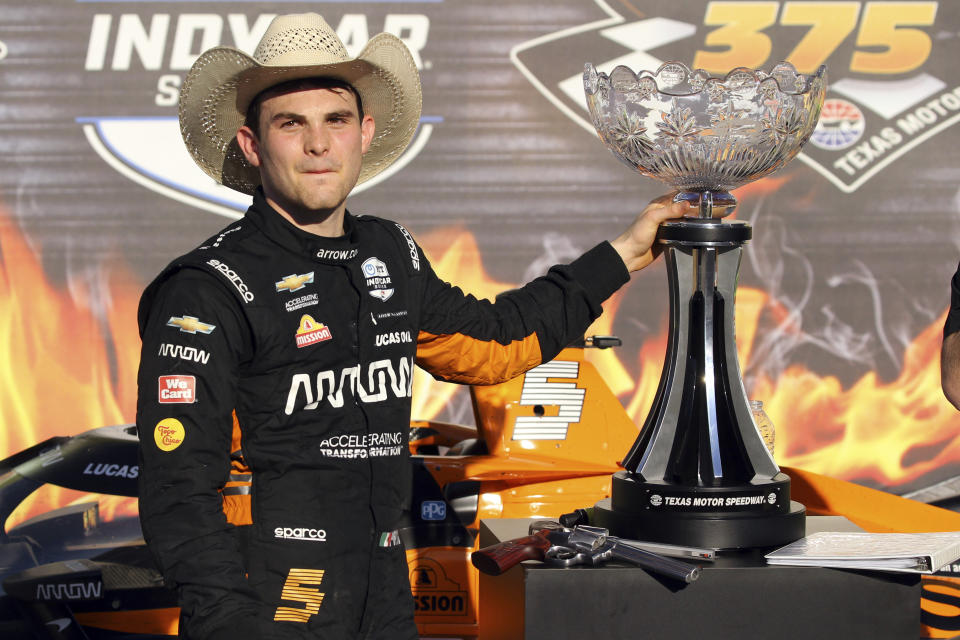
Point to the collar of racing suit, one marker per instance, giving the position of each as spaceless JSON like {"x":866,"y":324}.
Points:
{"x":339,"y":250}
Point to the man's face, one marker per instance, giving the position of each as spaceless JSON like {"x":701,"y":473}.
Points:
{"x":309,"y":150}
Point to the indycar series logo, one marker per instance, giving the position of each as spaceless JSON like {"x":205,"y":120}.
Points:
{"x":148,"y":149}
{"x":377,"y":278}
{"x":889,"y":87}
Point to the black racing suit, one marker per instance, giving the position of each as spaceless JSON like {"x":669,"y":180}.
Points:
{"x":310,"y":342}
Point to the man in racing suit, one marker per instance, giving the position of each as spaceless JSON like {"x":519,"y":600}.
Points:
{"x":301,"y":324}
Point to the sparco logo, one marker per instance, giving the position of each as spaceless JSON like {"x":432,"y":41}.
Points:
{"x":75,"y":591}
{"x":414,"y":255}
{"x":300,"y":533}
{"x":232,"y":276}
{"x":308,"y":391}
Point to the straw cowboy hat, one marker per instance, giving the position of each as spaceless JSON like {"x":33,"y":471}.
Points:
{"x":223,"y":81}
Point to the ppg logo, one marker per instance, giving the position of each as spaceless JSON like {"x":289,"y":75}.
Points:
{"x":433,"y":510}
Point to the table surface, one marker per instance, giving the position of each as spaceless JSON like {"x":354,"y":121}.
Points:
{"x":497,"y":530}
{"x":737,"y":595}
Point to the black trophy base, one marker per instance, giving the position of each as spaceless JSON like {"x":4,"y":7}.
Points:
{"x":705,"y":530}
{"x":734,"y":517}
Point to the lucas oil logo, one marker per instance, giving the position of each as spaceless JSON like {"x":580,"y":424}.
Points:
{"x":377,"y":278}
{"x":111,"y":470}
{"x":892,"y":83}
{"x":148,"y":53}
{"x":311,"y":332}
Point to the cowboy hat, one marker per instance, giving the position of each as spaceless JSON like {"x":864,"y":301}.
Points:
{"x":223,"y":82}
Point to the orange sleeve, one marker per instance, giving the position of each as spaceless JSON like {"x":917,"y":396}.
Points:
{"x":461,"y":358}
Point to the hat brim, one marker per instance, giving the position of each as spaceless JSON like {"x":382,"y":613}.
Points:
{"x":223,"y":81}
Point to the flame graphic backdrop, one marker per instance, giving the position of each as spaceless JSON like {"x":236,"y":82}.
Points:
{"x":842,"y":292}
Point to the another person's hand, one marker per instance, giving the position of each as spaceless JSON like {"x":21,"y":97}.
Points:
{"x":637,"y":244}
{"x":950,"y":368}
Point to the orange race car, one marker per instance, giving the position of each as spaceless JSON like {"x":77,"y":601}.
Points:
{"x":544,"y":444}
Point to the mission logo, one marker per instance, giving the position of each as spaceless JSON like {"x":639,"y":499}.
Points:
{"x":888,"y":67}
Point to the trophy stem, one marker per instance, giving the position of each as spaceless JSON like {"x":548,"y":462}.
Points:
{"x":706,"y":205}
{"x":707,"y":201}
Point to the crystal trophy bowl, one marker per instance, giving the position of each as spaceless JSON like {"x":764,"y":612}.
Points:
{"x":703,"y":134}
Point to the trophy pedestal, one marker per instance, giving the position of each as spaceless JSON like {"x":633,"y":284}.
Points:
{"x":713,"y":517}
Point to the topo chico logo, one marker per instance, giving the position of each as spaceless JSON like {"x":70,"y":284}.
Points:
{"x":149,"y":149}
{"x":169,"y":434}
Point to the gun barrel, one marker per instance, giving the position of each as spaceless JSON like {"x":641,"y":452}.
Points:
{"x":676,"y":569}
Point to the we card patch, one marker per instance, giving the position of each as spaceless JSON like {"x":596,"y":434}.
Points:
{"x":177,"y":389}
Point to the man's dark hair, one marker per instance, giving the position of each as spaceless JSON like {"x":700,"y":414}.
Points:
{"x":300,"y":84}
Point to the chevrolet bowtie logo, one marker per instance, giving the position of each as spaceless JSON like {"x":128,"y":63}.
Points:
{"x":189,"y":324}
{"x":295,"y":282}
